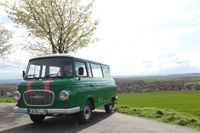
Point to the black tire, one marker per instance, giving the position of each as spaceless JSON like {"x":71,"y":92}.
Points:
{"x":109,"y":107}
{"x":86,"y":114}
{"x":37,"y":118}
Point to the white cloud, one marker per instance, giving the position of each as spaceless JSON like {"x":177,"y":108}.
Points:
{"x":137,"y":37}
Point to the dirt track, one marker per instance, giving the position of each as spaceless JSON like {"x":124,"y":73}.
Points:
{"x":115,"y":123}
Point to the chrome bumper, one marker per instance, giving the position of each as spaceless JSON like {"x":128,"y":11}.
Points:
{"x":51,"y":111}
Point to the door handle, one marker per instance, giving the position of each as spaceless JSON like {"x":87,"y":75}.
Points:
{"x":91,"y":85}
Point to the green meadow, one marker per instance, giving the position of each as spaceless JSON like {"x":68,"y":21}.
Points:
{"x":181,"y":101}
{"x":178,"y":107}
{"x":5,"y":99}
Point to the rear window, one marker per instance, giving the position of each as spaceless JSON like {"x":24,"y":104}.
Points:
{"x":96,"y":70}
{"x":106,"y":71}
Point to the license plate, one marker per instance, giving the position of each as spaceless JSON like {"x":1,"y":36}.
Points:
{"x":37,"y":111}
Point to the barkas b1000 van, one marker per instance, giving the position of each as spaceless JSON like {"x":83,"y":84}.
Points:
{"x":63,"y":84}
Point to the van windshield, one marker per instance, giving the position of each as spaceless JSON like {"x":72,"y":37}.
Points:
{"x":49,"y":67}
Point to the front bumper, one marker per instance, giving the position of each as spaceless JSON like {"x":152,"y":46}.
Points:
{"x":51,"y":111}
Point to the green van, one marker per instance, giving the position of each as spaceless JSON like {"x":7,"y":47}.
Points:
{"x":60,"y":84}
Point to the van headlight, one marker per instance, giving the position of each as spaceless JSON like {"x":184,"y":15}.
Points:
{"x":63,"y":95}
{"x":17,"y":95}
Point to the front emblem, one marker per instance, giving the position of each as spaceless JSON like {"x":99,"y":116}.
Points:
{"x":37,"y":97}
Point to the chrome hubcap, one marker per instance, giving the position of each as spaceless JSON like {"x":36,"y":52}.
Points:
{"x":87,"y":112}
{"x":111,"y":106}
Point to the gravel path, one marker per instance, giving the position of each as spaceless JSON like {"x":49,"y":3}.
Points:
{"x":11,"y":122}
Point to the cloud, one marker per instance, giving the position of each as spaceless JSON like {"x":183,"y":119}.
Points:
{"x":136,"y":38}
{"x":174,"y":63}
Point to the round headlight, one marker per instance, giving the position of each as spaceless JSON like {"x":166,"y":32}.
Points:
{"x":63,"y":95}
{"x":17,"y":95}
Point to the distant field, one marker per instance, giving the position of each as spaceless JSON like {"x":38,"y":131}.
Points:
{"x":181,"y":101}
{"x":159,"y":83}
{"x":169,"y":78}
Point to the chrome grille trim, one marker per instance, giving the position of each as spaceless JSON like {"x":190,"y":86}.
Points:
{"x":39,"y":97}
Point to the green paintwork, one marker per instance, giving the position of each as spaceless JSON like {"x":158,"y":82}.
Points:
{"x":102,"y":90}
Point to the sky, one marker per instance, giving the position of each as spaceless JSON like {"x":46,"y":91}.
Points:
{"x":136,"y":37}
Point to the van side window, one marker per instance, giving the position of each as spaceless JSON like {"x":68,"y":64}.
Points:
{"x":106,"y":71}
{"x":82,"y":66}
{"x":89,"y":70}
{"x":96,"y":70}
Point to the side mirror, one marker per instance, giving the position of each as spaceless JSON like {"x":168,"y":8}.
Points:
{"x":23,"y":74}
{"x":80,"y":71}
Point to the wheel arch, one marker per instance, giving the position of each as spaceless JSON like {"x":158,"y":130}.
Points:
{"x":114,"y":98}
{"x":91,"y":100}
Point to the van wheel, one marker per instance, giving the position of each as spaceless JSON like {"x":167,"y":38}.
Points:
{"x":37,"y":118}
{"x":109,"y":107}
{"x":86,"y":114}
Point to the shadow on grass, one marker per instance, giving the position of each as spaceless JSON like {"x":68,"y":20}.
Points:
{"x":59,"y":124}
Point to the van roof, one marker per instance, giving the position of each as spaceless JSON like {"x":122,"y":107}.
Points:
{"x":51,"y":55}
{"x":63,"y":55}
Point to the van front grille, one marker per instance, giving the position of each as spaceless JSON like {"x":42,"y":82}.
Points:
{"x":38,"y":98}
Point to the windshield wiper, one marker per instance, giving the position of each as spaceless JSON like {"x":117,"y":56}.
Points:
{"x":31,"y":76}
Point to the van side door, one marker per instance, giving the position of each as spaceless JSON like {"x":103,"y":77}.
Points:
{"x":110,"y":87}
{"x":96,"y":83}
{"x":81,"y":82}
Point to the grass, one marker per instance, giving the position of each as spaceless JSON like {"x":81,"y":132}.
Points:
{"x":178,"y":107}
{"x":164,"y":115}
{"x":5,"y":99}
{"x":181,"y":101}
